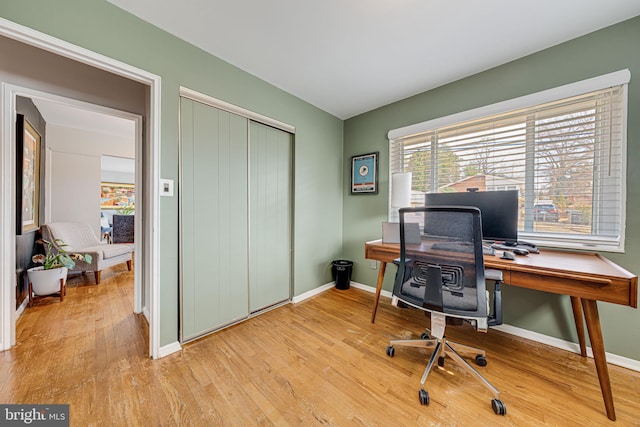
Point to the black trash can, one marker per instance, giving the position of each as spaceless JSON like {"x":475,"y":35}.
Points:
{"x":341,"y":271}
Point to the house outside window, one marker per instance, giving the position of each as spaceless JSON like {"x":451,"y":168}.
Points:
{"x":565,"y":155}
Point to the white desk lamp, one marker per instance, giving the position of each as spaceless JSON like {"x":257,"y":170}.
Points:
{"x":401,"y":190}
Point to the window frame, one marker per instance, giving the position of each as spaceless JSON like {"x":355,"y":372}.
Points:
{"x":590,"y":242}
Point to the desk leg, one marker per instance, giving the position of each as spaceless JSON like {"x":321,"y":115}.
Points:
{"x":383,"y":267}
{"x":577,"y":316}
{"x":597,"y":345}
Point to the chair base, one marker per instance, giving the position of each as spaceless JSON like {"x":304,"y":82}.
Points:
{"x":432,"y":342}
{"x":441,"y":348}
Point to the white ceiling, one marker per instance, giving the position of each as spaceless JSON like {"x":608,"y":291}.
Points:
{"x":76,"y":117}
{"x":72,"y":116}
{"x":351,"y":56}
{"x":118,"y":164}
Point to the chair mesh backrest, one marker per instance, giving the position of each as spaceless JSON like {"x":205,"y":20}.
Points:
{"x":445,"y":272}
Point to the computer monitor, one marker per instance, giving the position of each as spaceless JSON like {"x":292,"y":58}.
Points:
{"x":499,"y":210}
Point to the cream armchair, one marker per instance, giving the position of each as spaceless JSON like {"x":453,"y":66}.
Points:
{"x":80,"y":238}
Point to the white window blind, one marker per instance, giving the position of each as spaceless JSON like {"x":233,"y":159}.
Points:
{"x":566,"y":157}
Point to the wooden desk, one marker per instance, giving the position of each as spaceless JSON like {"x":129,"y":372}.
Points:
{"x":585,"y":277}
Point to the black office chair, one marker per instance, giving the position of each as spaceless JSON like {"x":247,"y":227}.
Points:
{"x":445,"y":276}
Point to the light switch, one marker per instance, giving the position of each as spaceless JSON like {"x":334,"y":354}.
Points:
{"x":166,"y":187}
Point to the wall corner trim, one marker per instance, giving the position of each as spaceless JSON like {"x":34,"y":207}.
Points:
{"x":168,"y":349}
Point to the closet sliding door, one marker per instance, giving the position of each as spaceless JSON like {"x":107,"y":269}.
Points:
{"x":269,"y":216}
{"x":214,"y":218}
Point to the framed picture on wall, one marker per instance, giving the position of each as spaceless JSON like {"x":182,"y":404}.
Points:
{"x":118,"y":196}
{"x":364,"y":174}
{"x":27,"y":176}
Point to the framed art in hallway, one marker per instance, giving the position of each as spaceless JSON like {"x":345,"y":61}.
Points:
{"x":27,"y":176}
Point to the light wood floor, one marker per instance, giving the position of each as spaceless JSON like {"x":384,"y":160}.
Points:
{"x":319,"y":362}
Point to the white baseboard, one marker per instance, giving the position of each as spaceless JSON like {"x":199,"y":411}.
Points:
{"x":22,"y":307}
{"x":614,"y":359}
{"x":371,"y":289}
{"x":169,"y":349}
{"x":311,"y":293}
{"x":326,"y":287}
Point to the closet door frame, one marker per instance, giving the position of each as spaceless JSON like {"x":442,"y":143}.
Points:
{"x":223,"y":105}
{"x":259,"y":118}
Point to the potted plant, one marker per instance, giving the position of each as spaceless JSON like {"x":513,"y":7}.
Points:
{"x":51,"y":277}
{"x":125,"y":210}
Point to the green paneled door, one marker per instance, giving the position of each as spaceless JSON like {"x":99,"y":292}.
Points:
{"x":235,"y":217}
{"x":270,"y":216}
{"x":213,"y":217}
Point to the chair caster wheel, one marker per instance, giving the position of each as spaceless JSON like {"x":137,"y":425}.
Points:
{"x":498,"y":407}
{"x":424,"y":336}
{"x":441,"y":361}
{"x":423,"y":395}
{"x":391,"y":351}
{"x":481,"y":360}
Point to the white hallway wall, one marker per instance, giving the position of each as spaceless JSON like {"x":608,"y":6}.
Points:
{"x":73,"y":172}
{"x":118,"y":169}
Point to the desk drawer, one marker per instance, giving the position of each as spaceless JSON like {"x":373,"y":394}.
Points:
{"x":596,"y":288}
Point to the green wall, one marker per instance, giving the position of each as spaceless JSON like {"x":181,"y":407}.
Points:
{"x":328,"y":213}
{"x":611,"y":49}
{"x":101,"y":27}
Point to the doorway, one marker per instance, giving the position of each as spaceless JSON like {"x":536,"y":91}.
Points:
{"x":72,"y":164}
{"x":74,"y":170}
{"x":149,"y":156}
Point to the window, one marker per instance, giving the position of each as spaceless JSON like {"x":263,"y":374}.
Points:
{"x":563,"y":149}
